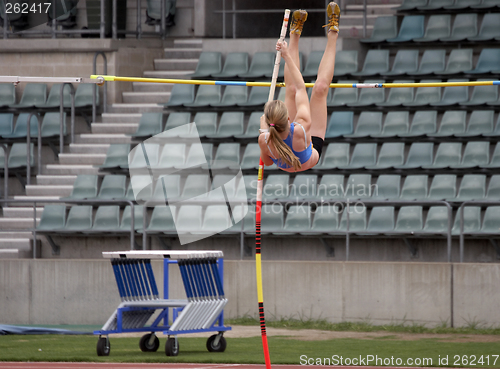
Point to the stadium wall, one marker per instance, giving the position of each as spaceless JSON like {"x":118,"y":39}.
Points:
{"x":84,"y":291}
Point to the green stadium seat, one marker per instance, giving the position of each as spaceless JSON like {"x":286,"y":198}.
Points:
{"x":312,"y":65}
{"x":206,"y":95}
{"x":228,"y":182}
{"x":262,"y":63}
{"x":364,"y":155}
{"x":452,"y":123}
{"x":489,"y":28}
{"x":486,"y":4}
{"x":272,"y":218}
{"x":150,"y":124}
{"x":438,"y":26}
{"x":276,"y":187}
{"x":303,"y":187}
{"x":176,"y":120}
{"x":414,"y":187}
{"x":409,"y":221}
{"x":480,"y":122}
{"x":369,"y":123}
{"x":230,"y":125}
{"x":51,"y":125}
{"x":34,"y":94}
{"x":215,"y":220}
{"x":21,"y":127}
{"x":162,"y":220}
{"x":335,"y":155}
{"x":433,"y":62}
{"x":420,"y":154}
{"x":443,"y":186}
{"x":407,"y":5}
{"x":398,"y":96}
{"x":459,"y":61}
{"x":298,"y":219}
{"x":236,"y":63}
{"x":107,"y":218}
{"x":489,"y":61}
{"x":343,"y":96}
{"x":197,"y":157}
{"x":125,"y":225}
{"x":396,"y":123}
{"x":497,"y":102}
{"x":252,"y":130}
{"x":258,"y":97}
{"x":425,"y":95}
{"x":168,"y":187}
{"x":197,"y":185}
{"x":206,"y":124}
{"x":472,"y":220}
{"x":369,"y":96}
{"x":227,"y":155}
{"x":358,"y":186}
{"x":331,"y":186}
{"x":189,"y":219}
{"x":424,"y":122}
{"x":17,"y":156}
{"x":496,"y":131}
{"x":281,"y":71}
{"x":448,"y":154}
{"x":346,"y":62}
{"x":208,"y":64}
{"x":247,"y":188}
{"x":116,"y":156}
{"x":248,"y":226}
{"x":495,"y":159}
{"x":113,"y":186}
{"x":233,"y":95}
{"x":475,"y":154}
{"x":376,"y":62}
{"x":143,"y":185}
{"x":84,"y":96}
{"x":381,"y":220}
{"x":85,"y":187}
{"x":472,"y":187}
{"x":6,"y":123}
{"x":482,"y":95}
{"x":173,"y":154}
{"x":7,"y":95}
{"x":388,"y":187}
{"x":251,"y":157}
{"x":386,"y":27}
{"x":454,"y":95}
{"x":152,"y":151}
{"x":493,"y":188}
{"x":340,"y":124}
{"x":357,"y":220}
{"x":412,"y":27}
{"x":53,"y":218}
{"x":436,"y":221}
{"x":405,"y":62}
{"x":462,"y":4}
{"x":436,"y":4}
{"x":464,"y":26}
{"x":491,"y":221}
{"x":391,"y":155}
{"x":326,"y":220}
{"x":79,"y":219}
{"x":181,"y":94}
{"x":54,"y":98}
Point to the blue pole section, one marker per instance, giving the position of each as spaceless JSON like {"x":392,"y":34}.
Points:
{"x":136,"y":280}
{"x":166,"y":263}
{"x":216,"y":272}
{"x":210,"y":281}
{"x":124,"y":278}
{"x":198,"y":280}
{"x":130,"y":279}
{"x":201,"y":278}
{"x":146,"y":279}
{"x":151,"y":275}
{"x":118,"y":278}
{"x":185,"y":281}
{"x":137,"y":272}
{"x":192,"y":278}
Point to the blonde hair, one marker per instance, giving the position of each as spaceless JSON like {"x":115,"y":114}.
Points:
{"x":276,"y":115}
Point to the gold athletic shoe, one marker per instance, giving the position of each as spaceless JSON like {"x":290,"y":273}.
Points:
{"x":298,"y":19}
{"x":333,"y":12}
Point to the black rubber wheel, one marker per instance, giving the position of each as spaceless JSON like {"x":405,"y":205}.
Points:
{"x":172,"y":347}
{"x":103,"y":346}
{"x":220,"y":347}
{"x":145,"y":346}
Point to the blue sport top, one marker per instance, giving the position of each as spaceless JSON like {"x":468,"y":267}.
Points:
{"x":303,"y":156}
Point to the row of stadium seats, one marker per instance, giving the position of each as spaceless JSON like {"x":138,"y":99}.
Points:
{"x":35,"y":96}
{"x":50,"y":126}
{"x":439,"y":29}
{"x":17,"y":157}
{"x":433,"y":5}
{"x":301,"y":219}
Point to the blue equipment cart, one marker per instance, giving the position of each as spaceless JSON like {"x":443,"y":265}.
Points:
{"x":142,"y":310}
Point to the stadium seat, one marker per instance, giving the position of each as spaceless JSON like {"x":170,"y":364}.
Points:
{"x":206,"y":123}
{"x":54,"y":98}
{"x":459,"y":61}
{"x":461,"y":4}
{"x":369,"y":123}
{"x":385,"y":27}
{"x":493,"y":188}
{"x":489,"y":28}
{"x":411,"y":27}
{"x":453,"y":122}
{"x":236,"y":63}
{"x":150,"y":124}
{"x":497,"y":102}
{"x":51,"y":125}
{"x":215,"y":220}
{"x":233,"y":95}
{"x":272,"y":218}
{"x":168,"y":187}
{"x":358,"y":186}
{"x":298,"y":219}
{"x":436,"y":221}
{"x":258,"y":97}
{"x":53,"y":218}
{"x":425,"y":95}
{"x":331,"y":186}
{"x":226,"y":181}
{"x":424,"y":122}
{"x":407,"y":5}
{"x":247,"y":187}
{"x":405,"y":62}
{"x":357,"y":220}
{"x":453,"y":95}
{"x":346,"y":62}
{"x":482,"y":95}
{"x":381,"y":220}
{"x":433,"y":62}
{"x":7,"y":95}
{"x":177,"y":119}
{"x":472,"y":220}
{"x":84,"y":96}
{"x":85,"y":186}
{"x":162,"y":220}
{"x":181,"y":94}
{"x":489,"y":61}
{"x":152,"y":151}
{"x":206,"y":95}
{"x":415,"y":187}
{"x":112,"y":187}
{"x":209,"y":63}
{"x":335,"y":155}
{"x":443,"y":186}
{"x":312,"y":65}
{"x":326,"y":220}
{"x":21,"y":127}
{"x":491,"y":221}
{"x":195,"y":156}
{"x":391,"y":155}
{"x":369,"y":96}
{"x":262,"y":63}
{"x":436,"y":4}
{"x":472,"y":187}
{"x":231,"y":124}
{"x":253,"y":126}
{"x":171,"y":155}
{"x":340,"y":124}
{"x":251,"y":157}
{"x":79,"y":218}
{"x":276,"y":187}
{"x":475,"y":155}
{"x":125,"y":225}
{"x":448,"y":154}
{"x":495,"y":159}
{"x":486,"y":4}
{"x":227,"y":155}
{"x":281,"y":71}
{"x":107,"y":218}
{"x":6,"y":123}
{"x":438,"y":26}
{"x":480,"y":122}
{"x":396,"y":123}
{"x":143,"y":185}
{"x":197,"y":185}
{"x":464,"y":26}
{"x":496,"y":130}
{"x":376,"y":62}
{"x":17,"y":156}
{"x":33,"y":94}
{"x":303,"y":187}
{"x":189,"y":218}
{"x":116,"y":156}
{"x":420,"y":154}
{"x":409,"y":221}
{"x":364,"y":154}
{"x":343,"y":96}
{"x":398,"y":96}
{"x":388,"y":187}
{"x":248,"y":220}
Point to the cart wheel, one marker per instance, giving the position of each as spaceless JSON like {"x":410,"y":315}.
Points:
{"x":172,"y":347}
{"x":103,"y":346}
{"x":144,"y":343}
{"x":220,"y":347}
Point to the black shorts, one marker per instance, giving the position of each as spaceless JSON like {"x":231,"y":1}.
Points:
{"x":317,"y":144}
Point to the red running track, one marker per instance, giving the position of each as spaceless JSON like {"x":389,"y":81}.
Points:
{"x":45,"y":365}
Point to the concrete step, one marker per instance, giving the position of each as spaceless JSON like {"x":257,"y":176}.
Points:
{"x":145,"y":97}
{"x":152,"y":87}
{"x":183,"y":53}
{"x":17,"y":223}
{"x":49,"y":190}
{"x":14,"y":235}
{"x":114,"y":127}
{"x":56,"y":169}
{"x":175,"y":64}
{"x":86,"y":148}
{"x":46,"y":180}
{"x":188,"y":43}
{"x":109,"y":138}
{"x":16,"y":244}
{"x":169,"y":74}
{"x":21,"y":212}
{"x":92,"y":159}
{"x":143,"y":108}
{"x":122,"y":117}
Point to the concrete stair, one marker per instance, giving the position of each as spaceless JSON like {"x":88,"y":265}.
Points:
{"x":60,"y":169}
{"x":100,"y":128}
{"x":141,"y":97}
{"x":85,"y":148}
{"x":49,"y":190}
{"x":92,"y":159}
{"x":121,"y":117}
{"x":136,"y":107}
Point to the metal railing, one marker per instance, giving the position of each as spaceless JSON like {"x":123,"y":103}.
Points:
{"x":96,"y":86}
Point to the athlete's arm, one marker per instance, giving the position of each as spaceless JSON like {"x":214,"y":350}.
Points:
{"x":263,"y":151}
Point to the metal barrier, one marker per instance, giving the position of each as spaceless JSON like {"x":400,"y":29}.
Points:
{"x":61,"y":113}
{"x":28,"y":146}
{"x":105,"y":88}
{"x":6,"y":151}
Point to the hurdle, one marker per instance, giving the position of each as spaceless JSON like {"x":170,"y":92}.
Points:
{"x":142,"y":309}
